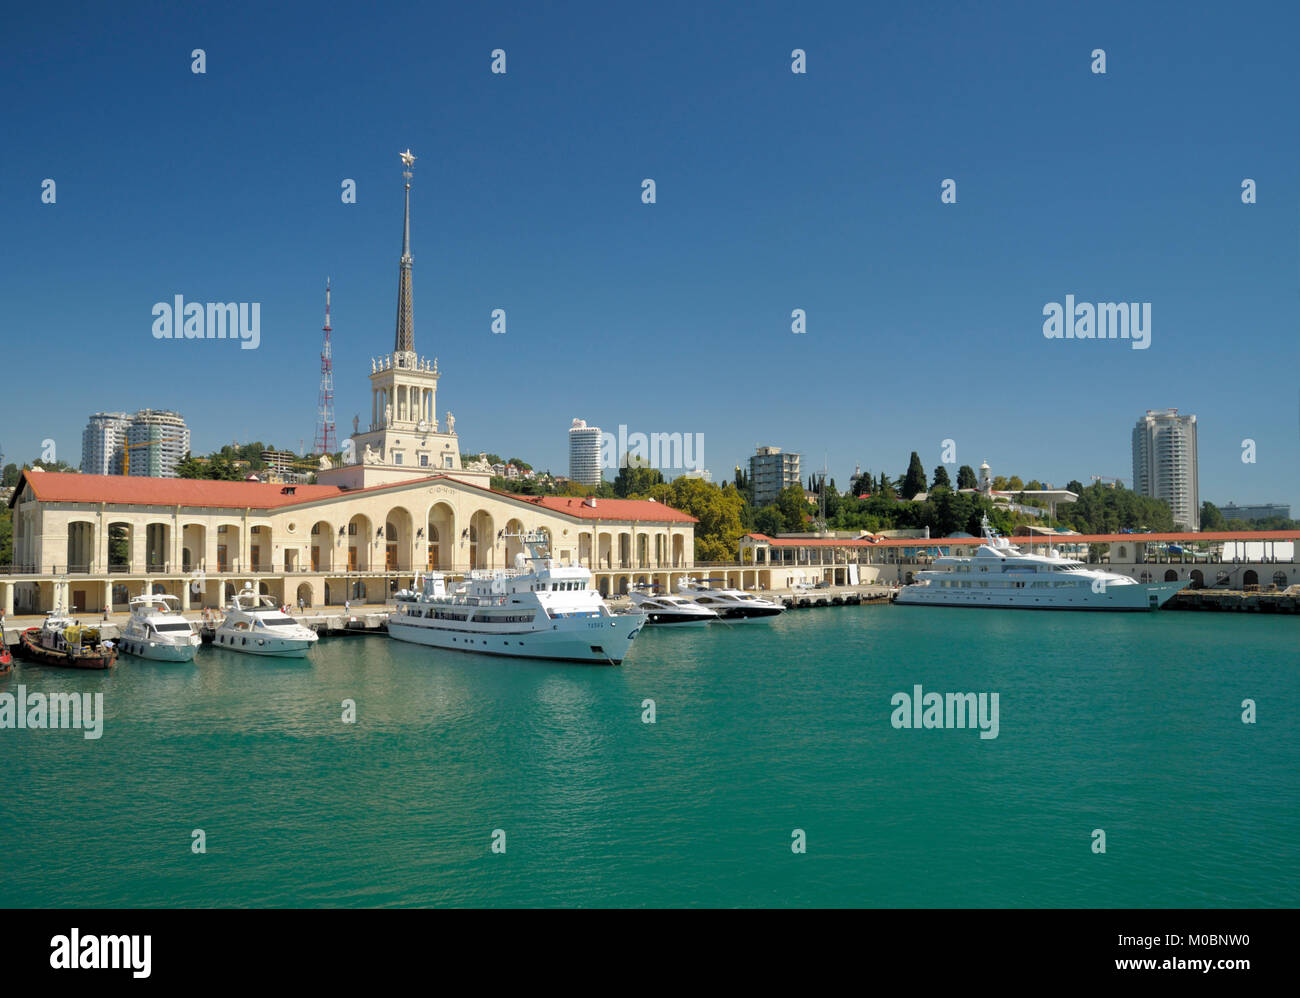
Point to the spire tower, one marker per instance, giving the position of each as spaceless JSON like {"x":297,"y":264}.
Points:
{"x":404,"y":341}
{"x":326,"y":441}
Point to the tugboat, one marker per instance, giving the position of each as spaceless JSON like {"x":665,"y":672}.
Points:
{"x":62,"y":642}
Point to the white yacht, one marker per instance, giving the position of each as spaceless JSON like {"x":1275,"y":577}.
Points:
{"x":157,"y":630}
{"x":256,"y":625}
{"x":1000,"y":575}
{"x":731,"y":605}
{"x":667,"y":610}
{"x":537,"y":610}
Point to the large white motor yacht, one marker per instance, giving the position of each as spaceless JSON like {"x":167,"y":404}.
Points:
{"x":256,"y":625}
{"x":667,"y":610}
{"x":731,"y":605}
{"x":157,"y":630}
{"x":1000,"y":575}
{"x":537,"y":610}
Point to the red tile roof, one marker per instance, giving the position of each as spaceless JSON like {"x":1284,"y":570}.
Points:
{"x":62,"y":486}
{"x":614,"y":509}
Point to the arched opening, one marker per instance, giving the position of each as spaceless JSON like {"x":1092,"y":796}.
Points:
{"x":679,"y":551}
{"x":1171,"y":576}
{"x":397,"y":540}
{"x":440,"y":534}
{"x":157,"y":546}
{"x":1120,"y":553}
{"x":229,"y":594}
{"x":81,"y":546}
{"x":259,"y":549}
{"x":228,"y":547}
{"x":642,"y":550}
{"x":624,"y":550}
{"x":604,"y":551}
{"x":305,"y":598}
{"x":194,"y":542}
{"x":482,"y":540}
{"x":1279,"y":579}
{"x":322,"y":546}
{"x":360,"y":538}
{"x":1250,"y":577}
{"x":514,"y":546}
{"x":120,"y":537}
{"x":1198,"y":579}
{"x":584,"y":549}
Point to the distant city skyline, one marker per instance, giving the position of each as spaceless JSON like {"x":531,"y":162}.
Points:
{"x":819,"y":193}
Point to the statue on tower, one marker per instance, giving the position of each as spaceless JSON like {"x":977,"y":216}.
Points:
{"x":388,"y":414}
{"x":451,"y":422}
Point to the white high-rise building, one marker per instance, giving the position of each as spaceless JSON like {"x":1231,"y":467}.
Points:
{"x":1164,"y":463}
{"x":158,"y":460}
{"x":101,"y":443}
{"x":584,"y":453}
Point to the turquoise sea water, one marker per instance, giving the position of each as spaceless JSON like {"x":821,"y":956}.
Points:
{"x":1128,"y":723}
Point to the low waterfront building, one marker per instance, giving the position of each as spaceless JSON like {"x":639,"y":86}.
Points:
{"x":77,"y":536}
{"x":1260,"y":511}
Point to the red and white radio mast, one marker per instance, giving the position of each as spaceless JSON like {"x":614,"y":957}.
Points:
{"x":326,"y":440}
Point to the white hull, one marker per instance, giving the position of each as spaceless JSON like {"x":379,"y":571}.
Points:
{"x":156,"y":651}
{"x":1140,"y":596}
{"x":600,"y":641}
{"x":268,"y":647}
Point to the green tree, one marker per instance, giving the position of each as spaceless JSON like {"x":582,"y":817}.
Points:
{"x":941,"y":479}
{"x":794,"y":508}
{"x":10,"y":476}
{"x":718,"y":510}
{"x":6,"y":536}
{"x":1211,"y":517}
{"x":914,"y":480}
{"x":635,"y":479}
{"x":966,"y":477}
{"x":1074,"y":485}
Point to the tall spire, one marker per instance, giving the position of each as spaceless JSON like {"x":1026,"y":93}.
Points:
{"x":405,"y":338}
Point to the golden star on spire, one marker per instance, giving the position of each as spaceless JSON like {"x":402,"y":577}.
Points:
{"x":407,"y":159}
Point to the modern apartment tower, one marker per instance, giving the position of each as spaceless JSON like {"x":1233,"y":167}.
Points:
{"x":770,"y":471}
{"x":1164,"y":463}
{"x":158,"y":439}
{"x":584,"y":453}
{"x":101,"y":443}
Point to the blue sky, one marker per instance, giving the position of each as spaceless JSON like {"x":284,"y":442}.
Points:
{"x":775,"y":191}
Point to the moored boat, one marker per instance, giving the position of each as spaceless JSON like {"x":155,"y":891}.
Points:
{"x":539,"y":610}
{"x":64,"y":643}
{"x":6,"y":659}
{"x":667,"y":610}
{"x":157,"y":630}
{"x":1000,"y":576}
{"x":255,"y":625}
{"x":731,"y":605}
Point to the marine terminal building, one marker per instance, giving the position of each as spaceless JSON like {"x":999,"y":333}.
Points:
{"x":404,"y":505}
